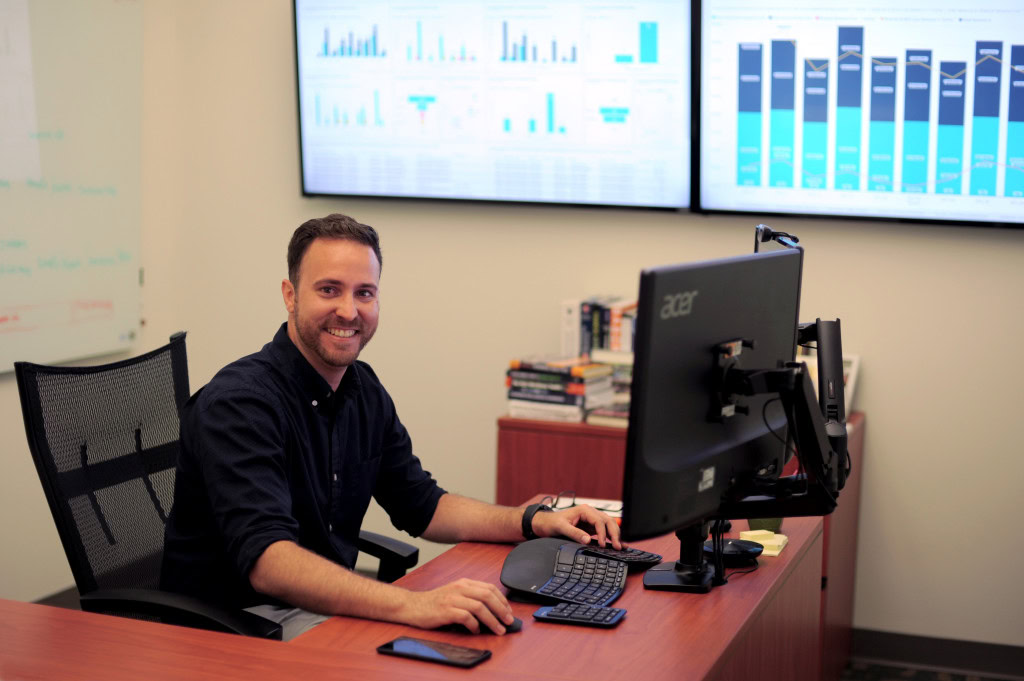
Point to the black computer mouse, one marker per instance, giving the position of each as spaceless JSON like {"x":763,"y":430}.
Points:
{"x":516,"y":625}
{"x":736,"y":552}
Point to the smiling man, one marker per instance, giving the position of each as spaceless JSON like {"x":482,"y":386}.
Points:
{"x":283,"y":450}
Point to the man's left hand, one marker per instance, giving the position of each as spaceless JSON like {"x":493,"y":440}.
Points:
{"x":571,"y":522}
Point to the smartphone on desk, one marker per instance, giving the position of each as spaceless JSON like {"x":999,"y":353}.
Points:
{"x":434,"y":651}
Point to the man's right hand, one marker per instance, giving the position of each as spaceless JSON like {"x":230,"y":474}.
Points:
{"x":467,"y":602}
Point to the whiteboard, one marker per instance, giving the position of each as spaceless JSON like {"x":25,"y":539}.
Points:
{"x":70,"y":166}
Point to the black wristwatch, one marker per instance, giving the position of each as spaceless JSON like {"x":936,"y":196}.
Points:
{"x":528,"y":514}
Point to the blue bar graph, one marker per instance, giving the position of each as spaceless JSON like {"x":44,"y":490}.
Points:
{"x":1015,"y":126}
{"x":882,"y":126}
{"x":782,"y":118}
{"x":648,"y":52}
{"x":421,"y":51}
{"x":748,"y":141}
{"x":532,"y":50}
{"x":949,"y":150}
{"x":331,"y":115}
{"x":648,"y":42}
{"x":550,"y":122}
{"x":985,"y":135}
{"x":916,"y":98}
{"x":352,"y":47}
{"x":849,"y":77}
{"x":815,"y":132}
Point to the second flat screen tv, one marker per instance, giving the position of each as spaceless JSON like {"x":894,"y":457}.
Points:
{"x":557,"y":102}
{"x":906,"y":110}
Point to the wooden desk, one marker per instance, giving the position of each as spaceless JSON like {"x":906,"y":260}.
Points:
{"x":590,"y":460}
{"x":761,"y":625}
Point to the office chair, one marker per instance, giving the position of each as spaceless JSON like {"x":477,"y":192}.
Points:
{"x":105,"y":444}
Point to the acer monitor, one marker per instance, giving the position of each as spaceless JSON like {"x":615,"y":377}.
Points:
{"x":689,"y":448}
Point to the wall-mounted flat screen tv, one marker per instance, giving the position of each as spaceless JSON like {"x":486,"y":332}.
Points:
{"x":908,"y":110}
{"x":557,"y":102}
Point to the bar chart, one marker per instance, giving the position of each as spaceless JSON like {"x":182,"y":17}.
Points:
{"x":347,"y":43}
{"x":429,"y":43}
{"x":902,"y":115}
{"x":332,"y":111}
{"x":518,"y":45}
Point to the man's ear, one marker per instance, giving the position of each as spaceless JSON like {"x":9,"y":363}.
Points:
{"x":288,"y":293}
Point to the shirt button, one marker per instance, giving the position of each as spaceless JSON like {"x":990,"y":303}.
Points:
{"x":330,"y":527}
{"x":335,"y":477}
{"x":314,"y":403}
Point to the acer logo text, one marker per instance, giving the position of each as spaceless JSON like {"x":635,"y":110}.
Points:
{"x":677,"y":304}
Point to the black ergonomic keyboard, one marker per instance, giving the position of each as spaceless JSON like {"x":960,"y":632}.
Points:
{"x":552,"y":570}
{"x":574,"y":613}
{"x":635,"y":559}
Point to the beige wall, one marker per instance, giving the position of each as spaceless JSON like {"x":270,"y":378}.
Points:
{"x":932,"y":311}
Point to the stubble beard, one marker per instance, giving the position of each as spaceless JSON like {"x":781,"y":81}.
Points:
{"x":309,"y":333}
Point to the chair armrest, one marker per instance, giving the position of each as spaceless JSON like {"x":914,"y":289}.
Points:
{"x":395,"y":556}
{"x":174,"y":608}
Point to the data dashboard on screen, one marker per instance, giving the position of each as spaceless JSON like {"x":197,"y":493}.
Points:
{"x":561,"y":102}
{"x":902,"y":110}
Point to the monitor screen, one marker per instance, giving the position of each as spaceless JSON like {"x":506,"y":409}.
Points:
{"x":908,"y":110}
{"x":681,"y":458}
{"x":562,"y":102}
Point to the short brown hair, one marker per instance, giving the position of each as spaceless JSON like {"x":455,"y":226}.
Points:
{"x":334,"y":226}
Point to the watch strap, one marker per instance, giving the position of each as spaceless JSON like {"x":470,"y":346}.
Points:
{"x":528,"y":514}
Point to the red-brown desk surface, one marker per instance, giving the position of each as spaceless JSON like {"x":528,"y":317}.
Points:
{"x":761,"y":625}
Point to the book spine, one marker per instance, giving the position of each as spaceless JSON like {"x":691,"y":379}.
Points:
{"x":571,"y":342}
{"x":620,"y":326}
{"x":546,"y":396}
{"x":596,"y":313}
{"x":555,"y":379}
{"x":586,"y":328}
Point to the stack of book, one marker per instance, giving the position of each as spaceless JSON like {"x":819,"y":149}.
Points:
{"x":616,"y":414}
{"x":558,"y":389}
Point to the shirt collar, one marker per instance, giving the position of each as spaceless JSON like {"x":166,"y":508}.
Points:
{"x":309,"y":379}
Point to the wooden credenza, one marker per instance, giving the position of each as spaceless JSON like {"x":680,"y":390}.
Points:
{"x":557,"y":457}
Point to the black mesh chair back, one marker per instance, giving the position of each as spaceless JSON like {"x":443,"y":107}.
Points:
{"x":105,"y":443}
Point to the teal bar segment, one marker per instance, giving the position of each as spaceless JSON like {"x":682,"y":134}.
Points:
{"x":1015,"y":158}
{"x":551,"y":112}
{"x":848,"y":120}
{"x":748,"y":149}
{"x":508,"y":125}
{"x":984,"y":146}
{"x":815,"y":157}
{"x":624,"y":59}
{"x":648,"y":42}
{"x":881,"y":145}
{"x":915,"y":156}
{"x":949,"y":160}
{"x":780,"y":138}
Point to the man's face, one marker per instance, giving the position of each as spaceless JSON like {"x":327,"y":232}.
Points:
{"x":333,"y":308}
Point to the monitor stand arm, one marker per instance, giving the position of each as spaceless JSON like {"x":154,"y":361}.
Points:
{"x":819,"y":431}
{"x":692,"y":573}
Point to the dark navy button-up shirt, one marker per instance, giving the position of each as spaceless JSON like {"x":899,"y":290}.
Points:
{"x":269,"y":453}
